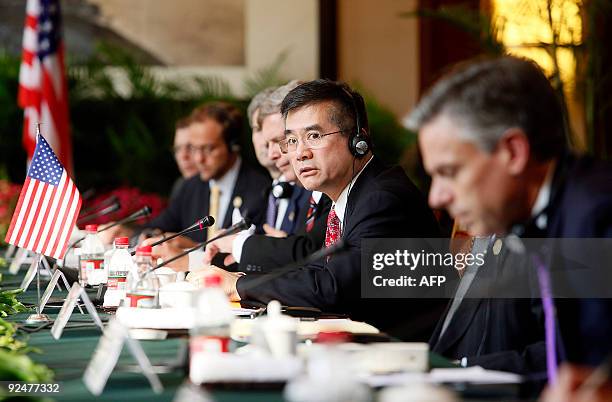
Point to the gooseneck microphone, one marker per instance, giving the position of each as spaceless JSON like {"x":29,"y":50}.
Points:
{"x":107,"y":201}
{"x":337,"y":248}
{"x":103,"y":212}
{"x":244,"y":224}
{"x":200,"y":224}
{"x":142,"y":212}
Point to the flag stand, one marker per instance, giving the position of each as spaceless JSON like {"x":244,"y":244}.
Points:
{"x":38,"y":317}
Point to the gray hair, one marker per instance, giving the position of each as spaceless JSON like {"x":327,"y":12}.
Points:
{"x":256,"y":103}
{"x":272,"y":104}
{"x":488,"y":97}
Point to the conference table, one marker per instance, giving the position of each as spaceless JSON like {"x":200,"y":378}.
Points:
{"x":69,"y":356}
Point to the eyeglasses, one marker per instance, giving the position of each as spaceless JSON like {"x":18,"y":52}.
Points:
{"x":313,"y":140}
{"x":193,"y":149}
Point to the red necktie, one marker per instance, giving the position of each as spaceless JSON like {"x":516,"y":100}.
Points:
{"x":332,"y":233}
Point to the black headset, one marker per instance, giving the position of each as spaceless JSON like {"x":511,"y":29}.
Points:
{"x":359,"y":144}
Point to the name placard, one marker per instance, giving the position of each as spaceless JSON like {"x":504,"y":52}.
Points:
{"x":30,"y":274}
{"x":49,"y":290}
{"x":76,"y":293}
{"x":107,"y":354}
{"x":20,"y":258}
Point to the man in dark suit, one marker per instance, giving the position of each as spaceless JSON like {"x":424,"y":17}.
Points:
{"x":291,"y":207}
{"x":327,"y":138}
{"x":496,"y":333}
{"x":225,"y":187}
{"x":493,"y":139}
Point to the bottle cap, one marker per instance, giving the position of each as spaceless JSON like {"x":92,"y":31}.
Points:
{"x":332,"y":337}
{"x":91,"y":228}
{"x":212,"y":280}
{"x":122,"y":241}
{"x":144,"y":250}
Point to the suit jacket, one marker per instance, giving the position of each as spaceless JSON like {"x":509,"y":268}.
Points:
{"x":581,"y":207}
{"x":191,"y":203}
{"x":496,"y":333}
{"x":383,"y":203}
{"x":262,"y":253}
{"x":298,"y":202}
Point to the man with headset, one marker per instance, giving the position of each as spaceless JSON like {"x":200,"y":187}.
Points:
{"x":328,"y":140}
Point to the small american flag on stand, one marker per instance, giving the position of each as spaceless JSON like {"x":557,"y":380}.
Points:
{"x":48,"y":206}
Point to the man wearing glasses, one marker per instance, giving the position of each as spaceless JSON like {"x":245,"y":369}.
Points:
{"x":322,"y":120}
{"x":225,"y":187}
{"x":181,"y":149}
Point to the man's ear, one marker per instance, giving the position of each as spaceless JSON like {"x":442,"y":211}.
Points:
{"x":514,"y":150}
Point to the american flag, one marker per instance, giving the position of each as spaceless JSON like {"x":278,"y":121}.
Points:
{"x":43,"y":93}
{"x":48,"y":206}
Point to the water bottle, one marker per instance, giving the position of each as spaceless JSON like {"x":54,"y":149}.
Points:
{"x":91,"y":258}
{"x":119,"y":267}
{"x":211,"y":333}
{"x":142,"y":283}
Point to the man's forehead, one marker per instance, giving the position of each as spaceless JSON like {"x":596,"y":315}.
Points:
{"x":313,"y":114}
{"x":209,"y":130}
{"x":273,"y":127}
{"x":441,"y":143}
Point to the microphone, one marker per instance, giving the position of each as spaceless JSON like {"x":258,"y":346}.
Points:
{"x":105,"y":211}
{"x":200,"y":224}
{"x":339,"y":247}
{"x":144,"y":211}
{"x":244,"y":224}
{"x":282,"y":189}
{"x":107,"y":201}
{"x":239,"y":226}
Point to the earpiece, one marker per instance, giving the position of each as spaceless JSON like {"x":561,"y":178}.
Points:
{"x":359,"y":144}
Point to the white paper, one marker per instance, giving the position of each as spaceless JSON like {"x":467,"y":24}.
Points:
{"x":472,"y":375}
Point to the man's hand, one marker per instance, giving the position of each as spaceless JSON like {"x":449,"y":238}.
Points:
{"x":569,"y":387}
{"x":166,"y":251}
{"x":273,"y":232}
{"x":228,"y":280}
{"x":109,"y":235}
{"x":223,"y":245}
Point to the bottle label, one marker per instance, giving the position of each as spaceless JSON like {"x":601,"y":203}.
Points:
{"x":92,"y":263}
{"x":141,"y":300}
{"x":117,"y":280}
{"x":208,"y":344}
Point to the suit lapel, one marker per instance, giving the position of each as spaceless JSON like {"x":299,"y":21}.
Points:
{"x":296,"y":204}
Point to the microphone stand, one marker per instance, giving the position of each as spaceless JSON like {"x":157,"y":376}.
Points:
{"x":201,"y":224}
{"x":339,"y":247}
{"x":105,"y":211}
{"x":242,"y":225}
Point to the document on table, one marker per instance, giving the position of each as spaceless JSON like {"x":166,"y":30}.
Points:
{"x":472,"y":375}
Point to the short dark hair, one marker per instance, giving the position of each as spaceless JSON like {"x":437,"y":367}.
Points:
{"x":493,"y":95}
{"x":346,"y":102}
{"x":183,"y":122}
{"x":226,"y":114}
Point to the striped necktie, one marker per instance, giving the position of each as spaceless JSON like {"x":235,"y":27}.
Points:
{"x":310,"y":215}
